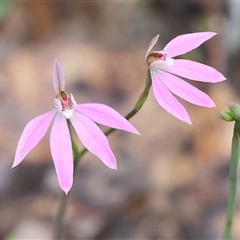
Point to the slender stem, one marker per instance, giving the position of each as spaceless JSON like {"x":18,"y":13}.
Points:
{"x":235,"y":154}
{"x":141,"y":100}
{"x":79,"y":154}
{"x":60,"y":215}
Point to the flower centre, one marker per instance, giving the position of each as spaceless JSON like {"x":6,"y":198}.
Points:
{"x":66,"y":105}
{"x":155,"y":56}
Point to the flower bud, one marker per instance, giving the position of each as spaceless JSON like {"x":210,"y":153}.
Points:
{"x":235,"y":111}
{"x":226,"y":116}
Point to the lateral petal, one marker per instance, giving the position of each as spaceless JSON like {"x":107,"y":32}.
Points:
{"x":166,"y":99}
{"x":93,"y":139}
{"x":61,"y":149}
{"x":192,"y":70}
{"x":106,"y":115}
{"x":151,"y":45}
{"x":185,"y":90}
{"x":186,"y":43}
{"x":32,"y":134}
{"x":58,"y":76}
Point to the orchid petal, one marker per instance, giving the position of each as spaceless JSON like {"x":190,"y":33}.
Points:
{"x":191,"y":70}
{"x":73,"y":100}
{"x":106,"y":115}
{"x":57,"y":104}
{"x":186,"y":43}
{"x":58,"y":76}
{"x":185,"y":90}
{"x":61,"y":149}
{"x":151,"y":45}
{"x":32,"y":134}
{"x":93,"y":139}
{"x":166,"y":100}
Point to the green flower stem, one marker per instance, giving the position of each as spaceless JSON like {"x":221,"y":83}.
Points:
{"x":235,"y":154}
{"x":79,"y":154}
{"x":141,"y":100}
{"x":60,"y":215}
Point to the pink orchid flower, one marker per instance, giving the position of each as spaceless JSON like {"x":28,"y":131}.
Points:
{"x":164,"y":70}
{"x":82,"y":117}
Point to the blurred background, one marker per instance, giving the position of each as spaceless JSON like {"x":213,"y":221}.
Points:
{"x":171,"y":182}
